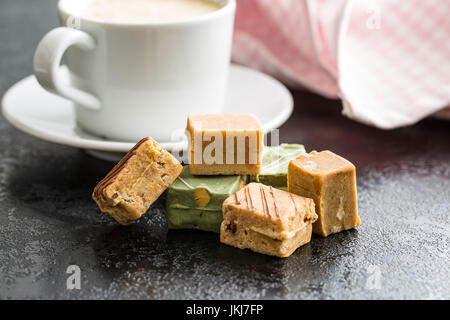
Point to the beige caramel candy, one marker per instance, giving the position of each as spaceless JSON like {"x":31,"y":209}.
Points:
{"x":331,"y":181}
{"x":267,"y":220}
{"x":225,"y":144}
{"x":136,"y":181}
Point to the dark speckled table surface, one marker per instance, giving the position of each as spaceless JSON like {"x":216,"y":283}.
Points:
{"x":48,"y":220}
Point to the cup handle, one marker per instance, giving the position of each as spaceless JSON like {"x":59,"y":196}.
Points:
{"x":47,"y":59}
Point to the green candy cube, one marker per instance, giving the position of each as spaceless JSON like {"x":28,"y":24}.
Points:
{"x":195,"y":202}
{"x":275,"y":164}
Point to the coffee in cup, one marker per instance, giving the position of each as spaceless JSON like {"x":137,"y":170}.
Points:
{"x":147,"y":11}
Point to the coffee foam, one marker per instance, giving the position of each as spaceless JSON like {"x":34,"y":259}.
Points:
{"x":146,"y":11}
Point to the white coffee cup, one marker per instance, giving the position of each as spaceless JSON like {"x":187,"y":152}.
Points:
{"x":131,"y":80}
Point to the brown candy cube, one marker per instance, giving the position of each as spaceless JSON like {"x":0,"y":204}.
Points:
{"x":330,"y":181}
{"x":225,"y":144}
{"x":267,"y":220}
{"x":136,"y":181}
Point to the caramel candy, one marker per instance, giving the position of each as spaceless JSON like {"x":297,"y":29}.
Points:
{"x":330,"y":181}
{"x":267,"y":220}
{"x":225,"y":144}
{"x":137,"y":181}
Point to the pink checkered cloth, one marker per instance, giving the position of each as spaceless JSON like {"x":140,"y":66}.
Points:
{"x":388,"y":60}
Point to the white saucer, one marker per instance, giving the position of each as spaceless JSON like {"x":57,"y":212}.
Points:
{"x":31,"y":109}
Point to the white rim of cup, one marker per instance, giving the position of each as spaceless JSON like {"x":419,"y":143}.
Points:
{"x":230,"y":5}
